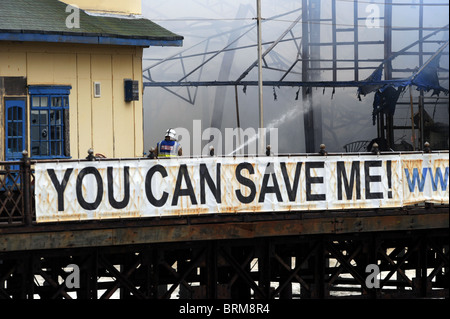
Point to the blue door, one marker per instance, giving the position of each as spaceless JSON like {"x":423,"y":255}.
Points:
{"x":14,"y":136}
{"x":15,"y":129}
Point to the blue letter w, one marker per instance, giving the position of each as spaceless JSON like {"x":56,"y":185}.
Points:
{"x":438,"y":177}
{"x":416,"y":178}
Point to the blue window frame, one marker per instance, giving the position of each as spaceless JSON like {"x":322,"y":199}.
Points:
{"x":15,"y":129}
{"x":14,"y":139}
{"x":49,"y":114}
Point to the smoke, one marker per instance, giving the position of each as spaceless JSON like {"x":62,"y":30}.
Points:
{"x":284,"y":119}
{"x":220,"y":43}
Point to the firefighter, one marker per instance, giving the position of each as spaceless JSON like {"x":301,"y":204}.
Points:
{"x":169,"y":147}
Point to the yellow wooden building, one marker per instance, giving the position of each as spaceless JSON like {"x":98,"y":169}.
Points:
{"x":71,"y":77}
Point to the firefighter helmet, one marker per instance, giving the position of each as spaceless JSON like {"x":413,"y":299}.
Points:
{"x":171,"y":134}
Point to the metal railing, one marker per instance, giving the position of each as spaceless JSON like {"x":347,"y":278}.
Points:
{"x":17,"y":179}
{"x":16,"y":192}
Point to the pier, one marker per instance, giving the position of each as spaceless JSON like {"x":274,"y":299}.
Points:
{"x":219,"y":254}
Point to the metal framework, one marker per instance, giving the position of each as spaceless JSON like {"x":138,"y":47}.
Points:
{"x":412,"y":265}
{"x":320,"y":63}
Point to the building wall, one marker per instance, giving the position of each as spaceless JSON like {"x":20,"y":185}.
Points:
{"x":112,"y":6}
{"x":107,"y":124}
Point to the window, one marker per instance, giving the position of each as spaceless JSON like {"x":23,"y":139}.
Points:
{"x":49,"y":121}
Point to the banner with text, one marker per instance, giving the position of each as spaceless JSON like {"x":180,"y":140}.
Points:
{"x":180,"y":186}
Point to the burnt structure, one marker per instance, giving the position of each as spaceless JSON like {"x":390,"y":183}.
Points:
{"x":334,"y":47}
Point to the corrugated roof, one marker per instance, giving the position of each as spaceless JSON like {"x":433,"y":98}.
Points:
{"x":38,"y":20}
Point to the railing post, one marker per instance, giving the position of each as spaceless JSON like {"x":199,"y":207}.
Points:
{"x":323,"y":150}
{"x":375,"y":149}
{"x":26,"y":187}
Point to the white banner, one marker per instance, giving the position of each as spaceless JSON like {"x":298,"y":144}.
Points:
{"x":181,"y":186}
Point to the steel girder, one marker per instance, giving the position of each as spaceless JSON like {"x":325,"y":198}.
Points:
{"x":411,"y":264}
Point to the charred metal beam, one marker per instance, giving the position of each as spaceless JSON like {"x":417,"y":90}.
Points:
{"x":243,"y":273}
{"x":308,"y":84}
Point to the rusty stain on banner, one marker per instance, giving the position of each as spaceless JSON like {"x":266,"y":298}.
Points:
{"x":181,"y":186}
